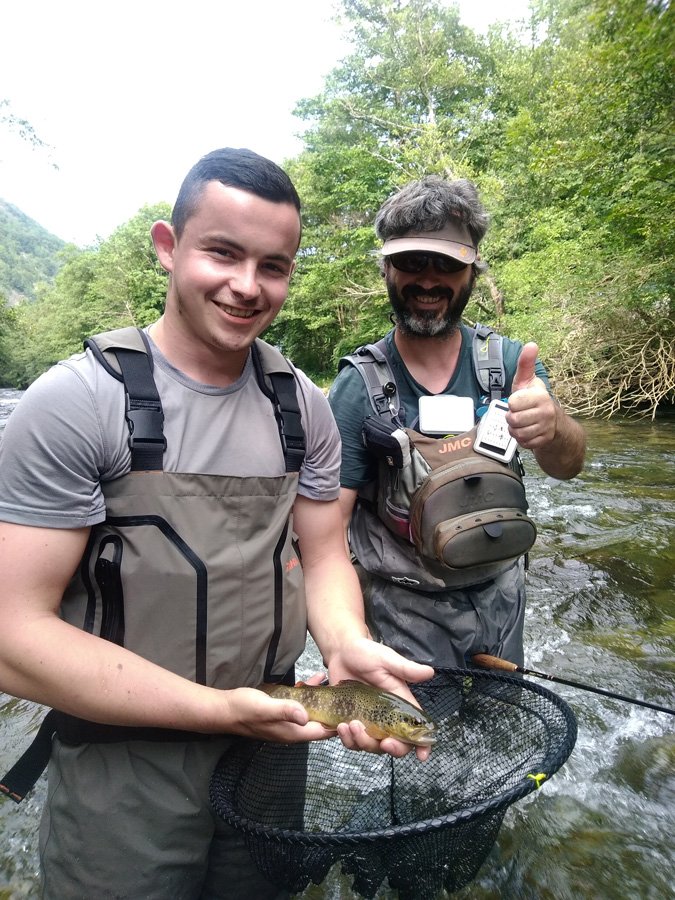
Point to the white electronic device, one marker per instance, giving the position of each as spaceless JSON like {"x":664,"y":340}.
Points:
{"x":493,"y":438}
{"x":443,"y":414}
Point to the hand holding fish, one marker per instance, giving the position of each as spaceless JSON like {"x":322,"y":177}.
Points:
{"x":255,"y":715}
{"x":367,"y":661}
{"x":336,"y":621}
{"x":359,"y":709}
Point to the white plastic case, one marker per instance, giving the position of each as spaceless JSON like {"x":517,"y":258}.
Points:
{"x":442,"y":414}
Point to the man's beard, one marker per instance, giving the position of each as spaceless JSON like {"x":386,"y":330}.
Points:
{"x":428,"y":323}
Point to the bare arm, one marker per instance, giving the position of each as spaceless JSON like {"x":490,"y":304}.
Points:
{"x":336,"y":618}
{"x":347,"y":501}
{"x":43,"y":658}
{"x":538,"y":423}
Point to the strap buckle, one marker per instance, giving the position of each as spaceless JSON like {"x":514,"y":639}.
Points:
{"x":145,"y":427}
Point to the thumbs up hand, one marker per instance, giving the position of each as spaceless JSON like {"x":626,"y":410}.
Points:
{"x":525,"y":376}
{"x":532,"y":416}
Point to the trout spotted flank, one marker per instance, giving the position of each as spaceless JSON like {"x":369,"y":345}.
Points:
{"x":382,"y":714}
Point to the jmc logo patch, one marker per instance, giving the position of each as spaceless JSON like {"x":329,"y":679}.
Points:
{"x":454,"y":446}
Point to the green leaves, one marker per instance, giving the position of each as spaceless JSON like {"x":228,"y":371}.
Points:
{"x":117,"y":283}
{"x":566,"y":126}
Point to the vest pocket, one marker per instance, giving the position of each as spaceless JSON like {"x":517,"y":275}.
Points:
{"x":482,"y":538}
{"x":397,"y":519}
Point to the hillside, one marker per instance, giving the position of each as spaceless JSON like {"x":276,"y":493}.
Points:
{"x":28,"y":254}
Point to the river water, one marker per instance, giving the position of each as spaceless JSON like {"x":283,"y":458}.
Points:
{"x":601,"y":611}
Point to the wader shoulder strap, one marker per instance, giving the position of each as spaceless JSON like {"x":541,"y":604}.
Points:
{"x":277,"y":381}
{"x":488,"y":360}
{"x":373,"y":366}
{"x":132,"y":364}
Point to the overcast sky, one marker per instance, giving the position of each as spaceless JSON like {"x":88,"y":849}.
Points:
{"x":128,"y":95}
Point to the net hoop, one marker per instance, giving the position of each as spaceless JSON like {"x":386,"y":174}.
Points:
{"x":228,"y":772}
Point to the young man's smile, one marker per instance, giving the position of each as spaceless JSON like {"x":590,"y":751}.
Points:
{"x":230,"y":269}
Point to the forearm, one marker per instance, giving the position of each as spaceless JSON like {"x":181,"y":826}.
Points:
{"x":347,"y":501}
{"x":51,"y":662}
{"x":334,"y":602}
{"x":99,"y":681}
{"x":335,"y":613}
{"x":563,"y":456}
{"x":43,"y":658}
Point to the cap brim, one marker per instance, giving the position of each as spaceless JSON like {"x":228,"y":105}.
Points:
{"x":462,"y":252}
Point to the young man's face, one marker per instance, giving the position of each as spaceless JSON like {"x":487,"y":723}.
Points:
{"x":428,"y":303}
{"x":230,"y":268}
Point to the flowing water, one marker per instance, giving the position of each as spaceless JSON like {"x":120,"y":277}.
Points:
{"x":601,"y":611}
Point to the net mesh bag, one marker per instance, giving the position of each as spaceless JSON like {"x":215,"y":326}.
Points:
{"x":423,"y":827}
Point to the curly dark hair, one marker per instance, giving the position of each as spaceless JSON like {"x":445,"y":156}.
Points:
{"x":428,"y":204}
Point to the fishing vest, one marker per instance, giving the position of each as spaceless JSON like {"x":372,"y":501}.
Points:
{"x":439,"y":515}
{"x":196,"y":573}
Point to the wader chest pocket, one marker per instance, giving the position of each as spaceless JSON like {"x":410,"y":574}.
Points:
{"x":107,"y":573}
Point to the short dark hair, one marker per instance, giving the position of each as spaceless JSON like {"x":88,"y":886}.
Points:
{"x":238,"y":168}
{"x":428,"y":204}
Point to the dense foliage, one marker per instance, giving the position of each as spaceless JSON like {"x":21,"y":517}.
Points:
{"x":566,"y":128}
{"x":565,"y":125}
{"x":117,"y":283}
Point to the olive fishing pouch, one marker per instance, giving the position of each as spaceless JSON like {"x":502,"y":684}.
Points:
{"x":458,"y":508}
{"x":470,"y":510}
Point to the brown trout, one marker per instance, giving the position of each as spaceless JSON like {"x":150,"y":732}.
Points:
{"x":382,"y":714}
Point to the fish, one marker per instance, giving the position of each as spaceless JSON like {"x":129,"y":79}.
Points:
{"x":382,"y":713}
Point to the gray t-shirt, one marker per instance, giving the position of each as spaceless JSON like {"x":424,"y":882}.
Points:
{"x":68,"y":434}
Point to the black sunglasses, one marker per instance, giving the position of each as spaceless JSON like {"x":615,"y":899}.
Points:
{"x":414,"y":262}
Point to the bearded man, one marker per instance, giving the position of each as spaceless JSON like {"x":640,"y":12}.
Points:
{"x":431,"y":230}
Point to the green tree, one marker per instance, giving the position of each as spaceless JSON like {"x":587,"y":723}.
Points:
{"x":566,"y":127}
{"x":28,"y":254}
{"x":582,"y":246}
{"x":397,"y":108}
{"x":53,"y":326}
{"x":130,"y":285}
{"x":118,"y":283}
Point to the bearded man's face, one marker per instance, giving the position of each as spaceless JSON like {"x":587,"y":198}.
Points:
{"x":428,"y":304}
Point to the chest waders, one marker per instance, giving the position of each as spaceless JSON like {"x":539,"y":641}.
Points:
{"x":196,"y":573}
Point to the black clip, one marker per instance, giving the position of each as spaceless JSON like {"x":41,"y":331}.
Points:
{"x":145,"y":427}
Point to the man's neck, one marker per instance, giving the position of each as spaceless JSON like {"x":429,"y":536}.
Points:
{"x":430,"y":360}
{"x":206,"y":365}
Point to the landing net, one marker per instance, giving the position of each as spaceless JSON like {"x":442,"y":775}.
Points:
{"x":422,"y":827}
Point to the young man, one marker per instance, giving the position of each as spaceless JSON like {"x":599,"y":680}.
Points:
{"x":431,"y":230}
{"x":151,"y":576}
